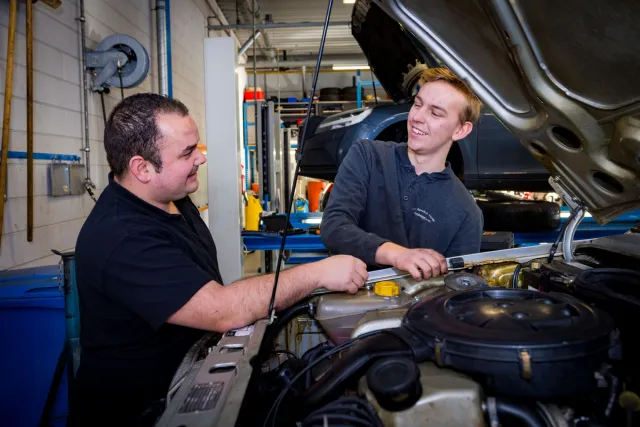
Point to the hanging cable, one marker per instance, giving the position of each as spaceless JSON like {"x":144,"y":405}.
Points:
{"x":301,"y":144}
{"x":373,"y":83}
{"x":93,"y":197}
{"x":120,"y":77}
{"x":104,"y":110}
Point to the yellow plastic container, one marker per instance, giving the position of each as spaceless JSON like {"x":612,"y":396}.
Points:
{"x":252,"y":214}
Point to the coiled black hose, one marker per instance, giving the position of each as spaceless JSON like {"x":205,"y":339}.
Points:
{"x":351,"y":365}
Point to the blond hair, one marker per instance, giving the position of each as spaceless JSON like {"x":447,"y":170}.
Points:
{"x":471,"y":113}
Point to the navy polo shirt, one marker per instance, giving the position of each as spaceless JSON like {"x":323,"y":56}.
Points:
{"x":136,"y":265}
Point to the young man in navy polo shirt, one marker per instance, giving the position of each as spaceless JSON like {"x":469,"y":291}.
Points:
{"x":401,"y":204}
{"x":147,"y":271}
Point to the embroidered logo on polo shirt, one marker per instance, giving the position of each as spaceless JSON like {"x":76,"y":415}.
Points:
{"x":424,"y":215}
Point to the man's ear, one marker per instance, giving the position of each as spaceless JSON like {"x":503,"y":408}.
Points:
{"x":463,"y":131}
{"x":140,"y":168}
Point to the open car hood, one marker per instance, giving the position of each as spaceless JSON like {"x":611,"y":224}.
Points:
{"x":561,"y":75}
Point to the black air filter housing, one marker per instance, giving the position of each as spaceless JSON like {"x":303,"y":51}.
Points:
{"x":515,"y":342}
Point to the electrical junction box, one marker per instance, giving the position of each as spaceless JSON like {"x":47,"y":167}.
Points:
{"x":76,"y":179}
{"x":66,"y":179}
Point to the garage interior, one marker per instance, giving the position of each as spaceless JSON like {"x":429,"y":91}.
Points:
{"x":248,"y":72}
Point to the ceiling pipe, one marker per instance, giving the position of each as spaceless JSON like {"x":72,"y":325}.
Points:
{"x":251,"y":13}
{"x":249,"y":42}
{"x":217,"y":14}
{"x":266,"y":25}
{"x":307,"y":61}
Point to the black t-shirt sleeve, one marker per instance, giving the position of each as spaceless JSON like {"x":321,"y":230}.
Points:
{"x":151,"y":276}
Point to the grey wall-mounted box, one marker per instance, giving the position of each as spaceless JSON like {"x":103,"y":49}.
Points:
{"x":66,"y":179}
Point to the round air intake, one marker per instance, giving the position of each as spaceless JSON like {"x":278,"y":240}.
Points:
{"x":516,"y":342}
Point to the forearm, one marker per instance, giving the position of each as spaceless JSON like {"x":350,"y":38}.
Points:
{"x":387,"y":253}
{"x":222,"y":308}
{"x":249,"y":298}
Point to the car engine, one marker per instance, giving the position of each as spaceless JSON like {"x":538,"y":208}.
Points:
{"x":545,"y":342}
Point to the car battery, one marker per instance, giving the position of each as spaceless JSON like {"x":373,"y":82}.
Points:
{"x":496,"y":240}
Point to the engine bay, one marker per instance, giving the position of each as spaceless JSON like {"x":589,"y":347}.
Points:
{"x":538,"y":341}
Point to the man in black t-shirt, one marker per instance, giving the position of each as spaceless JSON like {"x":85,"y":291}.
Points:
{"x":147,"y":271}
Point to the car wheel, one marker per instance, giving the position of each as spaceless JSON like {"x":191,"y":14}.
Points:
{"x":520,"y":215}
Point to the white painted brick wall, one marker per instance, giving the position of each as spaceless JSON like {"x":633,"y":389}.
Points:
{"x":58,"y":124}
{"x":188,"y":30}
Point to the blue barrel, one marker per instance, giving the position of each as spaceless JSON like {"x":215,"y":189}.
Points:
{"x":32,"y":333}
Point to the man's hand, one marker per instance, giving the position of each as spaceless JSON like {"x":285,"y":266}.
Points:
{"x":342,"y":273}
{"x":422,"y":264}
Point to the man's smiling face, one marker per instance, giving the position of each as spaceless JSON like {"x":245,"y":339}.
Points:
{"x":434,"y":118}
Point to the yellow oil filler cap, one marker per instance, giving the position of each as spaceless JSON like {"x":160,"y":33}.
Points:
{"x":386,"y":289}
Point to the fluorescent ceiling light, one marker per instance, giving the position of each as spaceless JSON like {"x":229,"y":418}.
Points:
{"x":350,"y":67}
{"x":348,"y":1}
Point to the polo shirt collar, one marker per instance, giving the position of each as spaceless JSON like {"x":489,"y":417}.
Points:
{"x":137,"y":203}
{"x":405,"y":162}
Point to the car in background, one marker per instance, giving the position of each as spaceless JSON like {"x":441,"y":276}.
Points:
{"x":490,"y":158}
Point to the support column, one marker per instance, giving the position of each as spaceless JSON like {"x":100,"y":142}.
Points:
{"x":224,"y":153}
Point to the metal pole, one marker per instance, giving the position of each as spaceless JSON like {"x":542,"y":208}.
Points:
{"x":167,"y":24}
{"x":255,"y":78}
{"x":161,"y":41}
{"x":29,"y":121}
{"x":85,"y":98}
{"x":71,"y":306}
{"x":278,"y":67}
{"x":8,"y":89}
{"x":267,"y":25}
{"x":304,"y":90}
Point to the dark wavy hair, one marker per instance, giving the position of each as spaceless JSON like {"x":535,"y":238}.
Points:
{"x":132,"y":130}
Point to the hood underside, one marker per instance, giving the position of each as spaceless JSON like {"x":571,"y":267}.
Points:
{"x":563,"y":76}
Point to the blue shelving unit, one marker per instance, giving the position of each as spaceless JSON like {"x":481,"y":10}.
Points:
{"x":248,"y":151}
{"x":363,"y":83}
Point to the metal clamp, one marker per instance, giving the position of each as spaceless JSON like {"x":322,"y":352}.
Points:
{"x":492,"y":411}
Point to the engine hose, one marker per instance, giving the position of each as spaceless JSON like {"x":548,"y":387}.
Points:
{"x":311,"y":355}
{"x":527,"y":416}
{"x":353,"y":363}
{"x":303,"y":307}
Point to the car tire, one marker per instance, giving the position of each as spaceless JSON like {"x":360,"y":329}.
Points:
{"x":520,"y":216}
{"x":350,"y":93}
{"x":330,"y":94}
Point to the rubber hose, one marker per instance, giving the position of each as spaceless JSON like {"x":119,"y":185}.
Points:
{"x":514,"y":279}
{"x":528,"y":416}
{"x":355,"y":362}
{"x":282,"y":320}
